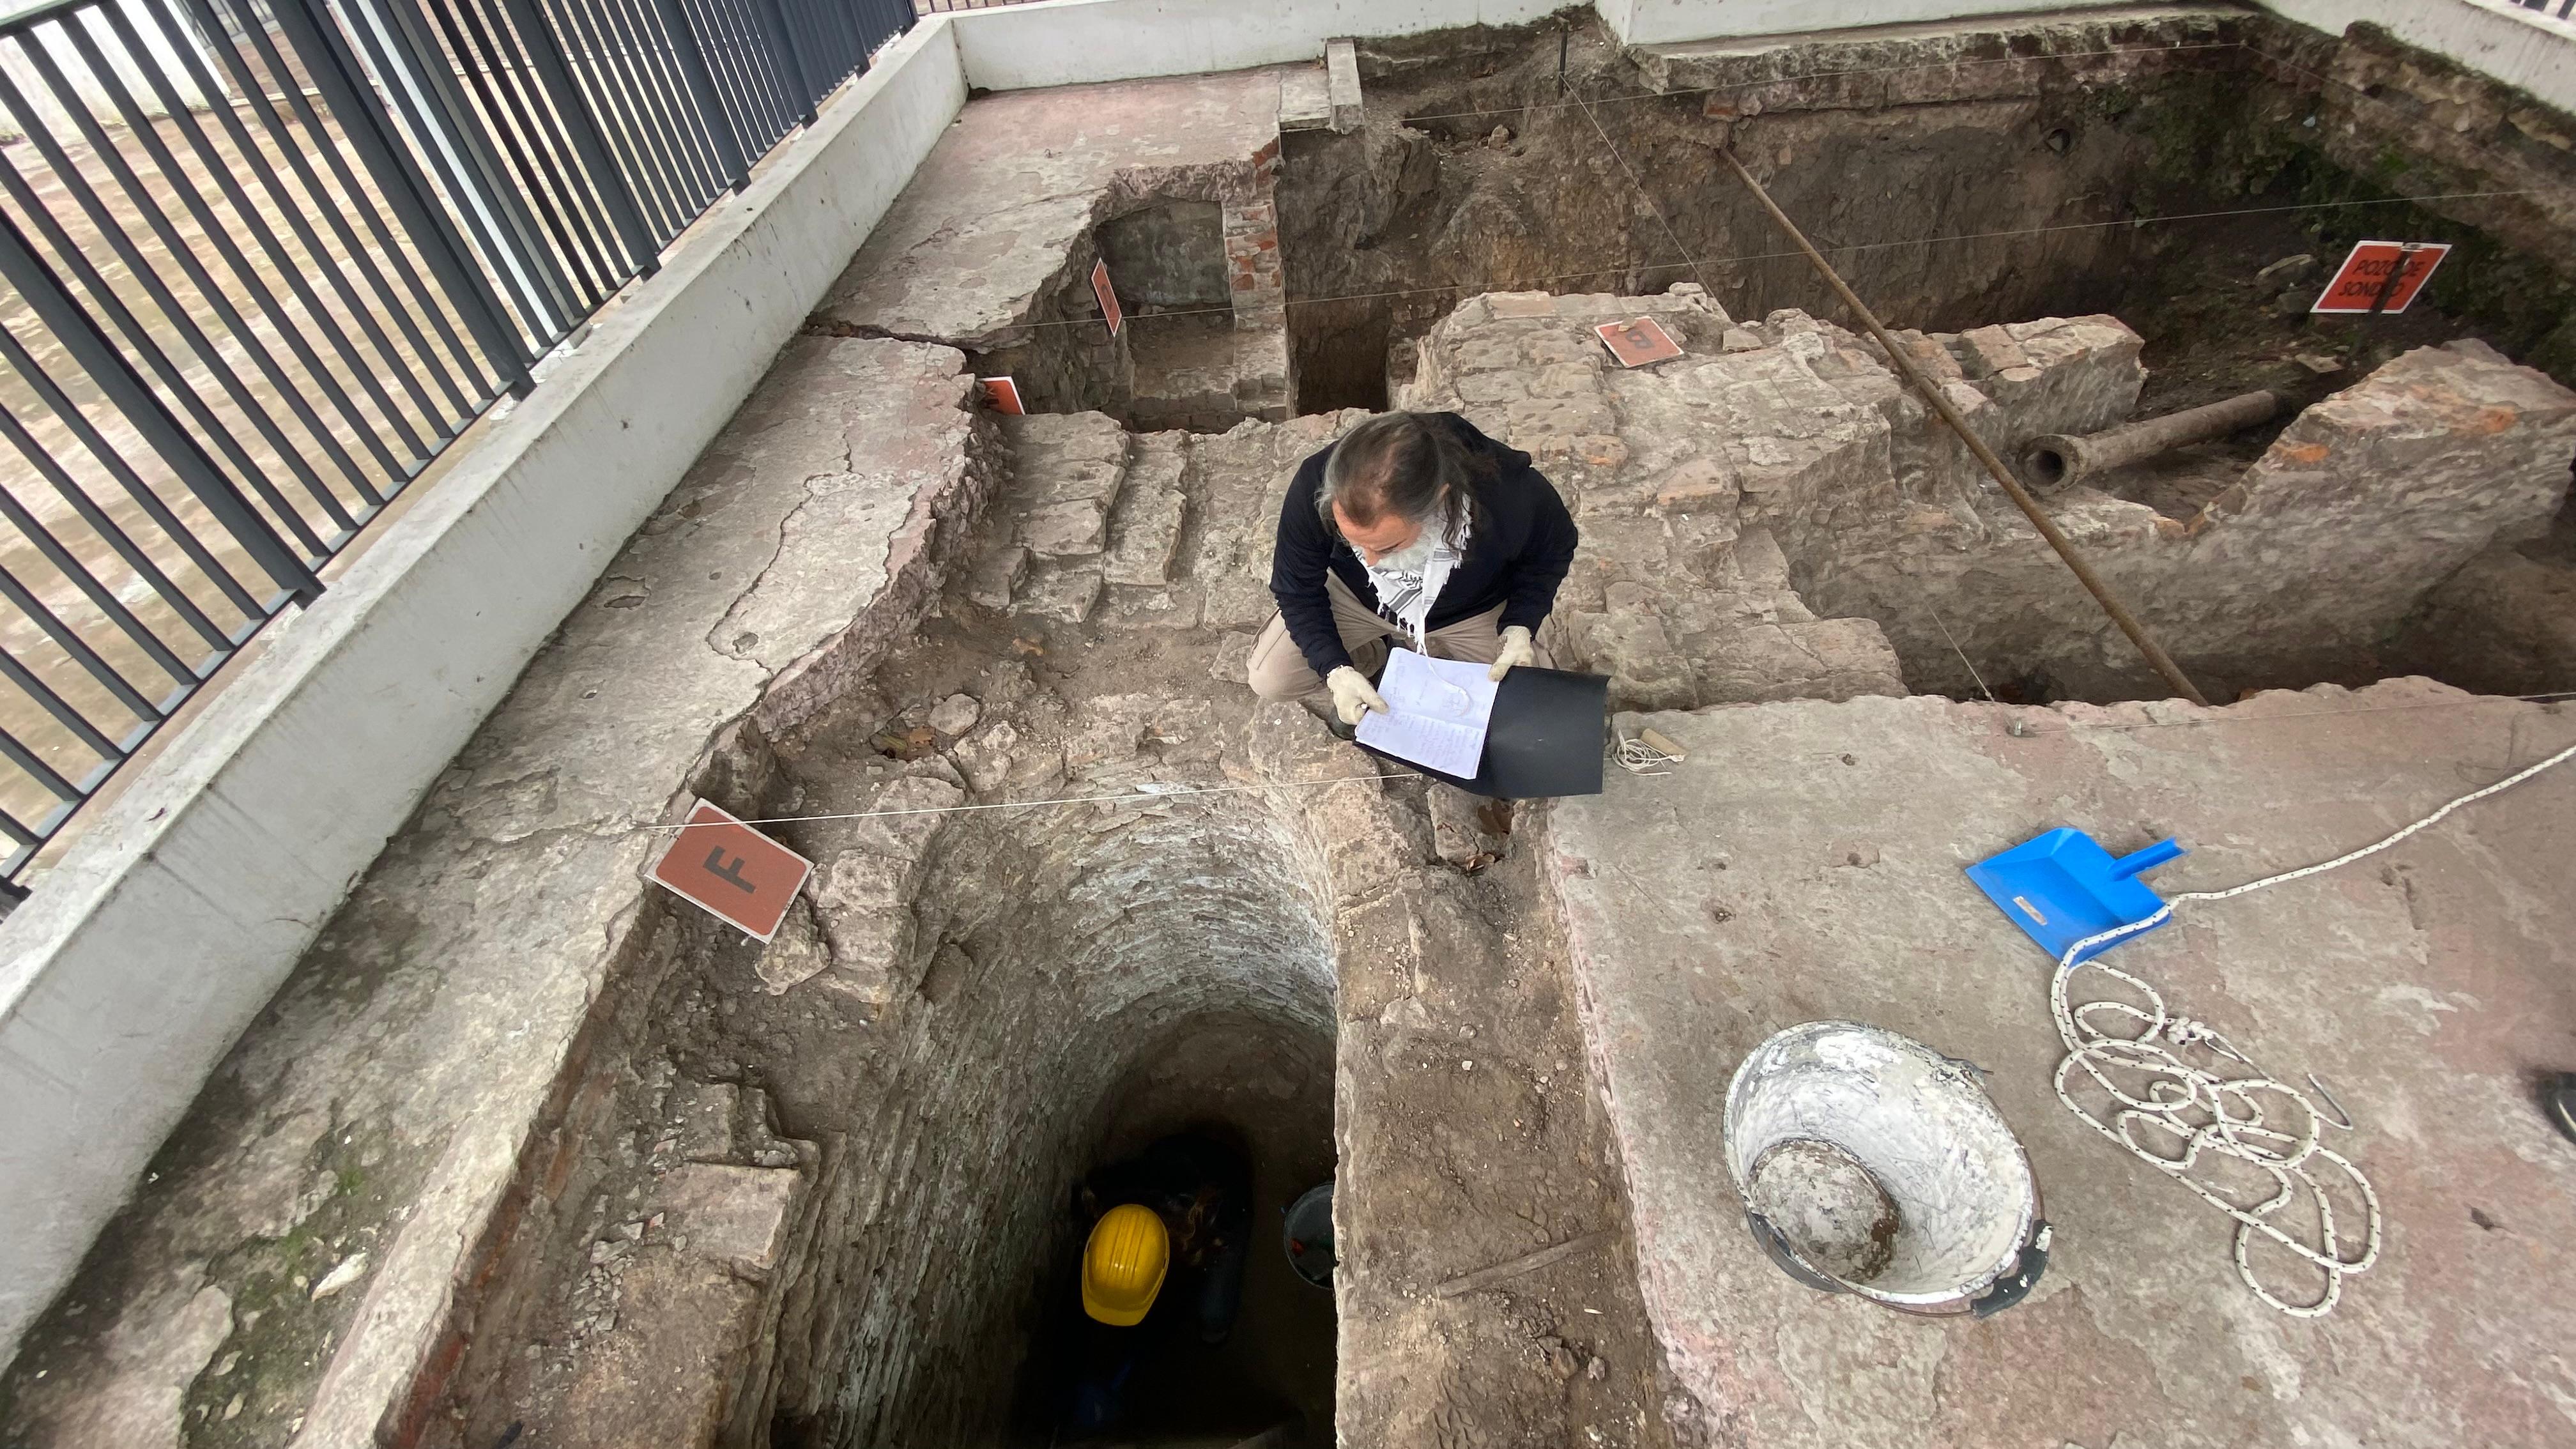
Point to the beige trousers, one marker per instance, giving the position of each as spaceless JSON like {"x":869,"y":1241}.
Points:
{"x":1278,"y":668}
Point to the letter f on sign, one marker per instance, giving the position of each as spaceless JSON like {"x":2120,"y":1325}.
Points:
{"x":729,"y":870}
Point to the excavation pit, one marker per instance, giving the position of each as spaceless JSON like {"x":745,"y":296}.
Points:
{"x":844,"y":1161}
{"x":976,"y":1008}
{"x":1266,"y":1098}
{"x":896,"y":1101}
{"x":2181,"y":174}
{"x":2190,"y":173}
{"x":1766,"y":519}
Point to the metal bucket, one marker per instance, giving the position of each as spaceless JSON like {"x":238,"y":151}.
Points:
{"x":1871,"y":1164}
{"x":1306,"y":1234}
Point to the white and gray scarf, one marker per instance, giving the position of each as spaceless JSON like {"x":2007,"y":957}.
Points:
{"x":1409,"y":580}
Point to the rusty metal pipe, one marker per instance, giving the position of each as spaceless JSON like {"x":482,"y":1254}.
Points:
{"x":2056,"y":461}
{"x":1940,"y":404}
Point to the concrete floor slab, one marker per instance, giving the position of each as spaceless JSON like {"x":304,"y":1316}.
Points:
{"x":1010,"y":193}
{"x":1805,"y":864}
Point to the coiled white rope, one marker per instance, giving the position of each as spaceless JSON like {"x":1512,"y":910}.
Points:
{"x":1639,"y":758}
{"x":2187,"y":1117}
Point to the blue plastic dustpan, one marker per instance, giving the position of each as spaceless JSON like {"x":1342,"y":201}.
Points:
{"x":2062,"y":887}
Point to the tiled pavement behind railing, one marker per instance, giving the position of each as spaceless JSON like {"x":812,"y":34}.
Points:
{"x":266,"y":258}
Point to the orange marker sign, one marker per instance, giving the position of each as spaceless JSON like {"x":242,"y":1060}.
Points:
{"x":1004,"y":395}
{"x":1639,"y":342}
{"x":1108,"y":299}
{"x":732,"y":871}
{"x":2381,"y":277}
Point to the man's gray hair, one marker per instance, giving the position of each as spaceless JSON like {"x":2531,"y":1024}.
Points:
{"x":1406,"y":464}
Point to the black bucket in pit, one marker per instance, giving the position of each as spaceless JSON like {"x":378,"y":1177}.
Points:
{"x":1306,"y":1232}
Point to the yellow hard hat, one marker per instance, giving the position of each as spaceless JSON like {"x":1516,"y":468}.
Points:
{"x":1122,"y":1269}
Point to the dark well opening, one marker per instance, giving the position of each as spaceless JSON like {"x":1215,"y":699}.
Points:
{"x":1056,"y":990}
{"x":1260,"y":1094}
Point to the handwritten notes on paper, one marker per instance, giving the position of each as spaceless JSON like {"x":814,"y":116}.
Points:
{"x":1441,"y":708}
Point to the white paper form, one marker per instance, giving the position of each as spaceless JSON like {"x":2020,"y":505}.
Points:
{"x":1441,"y":708}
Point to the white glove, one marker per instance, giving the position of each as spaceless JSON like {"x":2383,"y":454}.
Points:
{"x":1353,"y":696}
{"x":1518,"y":649}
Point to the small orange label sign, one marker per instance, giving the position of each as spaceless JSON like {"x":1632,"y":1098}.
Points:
{"x":732,"y":871}
{"x":1108,"y":299}
{"x":1004,"y":395}
{"x":2381,"y":277}
{"x":1639,"y":342}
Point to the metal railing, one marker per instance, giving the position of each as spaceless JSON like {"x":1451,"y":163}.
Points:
{"x":266,"y":258}
{"x":2564,"y":9}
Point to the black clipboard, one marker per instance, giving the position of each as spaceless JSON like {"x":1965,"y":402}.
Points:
{"x":1547,"y":738}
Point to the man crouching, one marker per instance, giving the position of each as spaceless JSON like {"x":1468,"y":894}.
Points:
{"x":1413,"y":527}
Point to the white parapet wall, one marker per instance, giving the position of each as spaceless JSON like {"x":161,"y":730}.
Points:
{"x":2520,"y":47}
{"x":1665,"y":22}
{"x":1069,"y":42}
{"x":191,"y":895}
{"x":1066,"y":42}
{"x":2494,"y":37}
{"x":160,"y":52}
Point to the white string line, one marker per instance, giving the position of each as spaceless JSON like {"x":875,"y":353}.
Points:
{"x":2141,"y":221}
{"x":1747,"y":85}
{"x":1150,"y":790}
{"x":1963,"y":657}
{"x":2226,"y":1117}
{"x":1642,"y":193}
{"x":1156,"y":790}
{"x":2494,"y":156}
{"x":1693,"y":264}
{"x":2219,"y":717}
{"x":2247,"y":47}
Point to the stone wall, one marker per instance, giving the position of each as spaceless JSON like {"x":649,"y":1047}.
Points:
{"x":1168,"y":254}
{"x":1792,"y":439}
{"x":1265,"y":383}
{"x":2305,"y":568}
{"x":972,"y":1009}
{"x":1058,"y":960}
{"x":932,"y":1050}
{"x":849,"y":1251}
{"x":1678,"y":594}
{"x":1474,"y":174}
{"x":2504,"y":624}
